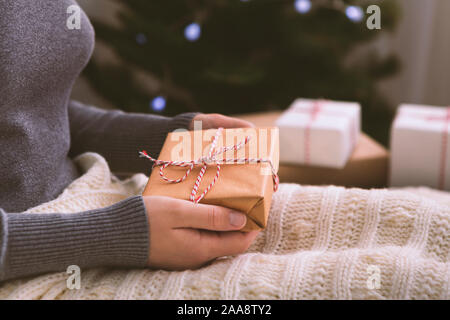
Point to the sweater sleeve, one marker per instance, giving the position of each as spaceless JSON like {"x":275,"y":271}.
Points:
{"x":115,"y":236}
{"x":118,"y":136}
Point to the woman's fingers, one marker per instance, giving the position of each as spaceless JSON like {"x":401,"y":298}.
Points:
{"x":208,"y":217}
{"x":229,"y":122}
{"x":215,"y":120}
{"x":219,"y":244}
{"x":182,"y":236}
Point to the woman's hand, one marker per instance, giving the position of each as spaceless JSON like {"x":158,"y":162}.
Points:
{"x":215,"y":120}
{"x":184,"y":235}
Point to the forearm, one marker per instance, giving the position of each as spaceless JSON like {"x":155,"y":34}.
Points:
{"x":118,"y":136}
{"x":115,"y":236}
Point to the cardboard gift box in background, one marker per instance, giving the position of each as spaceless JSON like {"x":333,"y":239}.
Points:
{"x":366,"y":168}
{"x":419,"y":147}
{"x":319,"y":132}
{"x":246,"y":187}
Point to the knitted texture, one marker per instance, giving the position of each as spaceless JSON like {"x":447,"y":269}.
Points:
{"x":320,"y":243}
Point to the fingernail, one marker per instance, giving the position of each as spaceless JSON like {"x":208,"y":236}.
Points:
{"x":237,"y":219}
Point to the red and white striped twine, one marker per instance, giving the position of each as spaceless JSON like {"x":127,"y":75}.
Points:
{"x":209,"y":160}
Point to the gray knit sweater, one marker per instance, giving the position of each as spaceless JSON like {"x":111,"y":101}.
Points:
{"x":41,"y":129}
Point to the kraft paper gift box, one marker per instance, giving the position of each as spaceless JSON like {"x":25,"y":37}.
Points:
{"x":319,"y":132}
{"x":420,"y":147}
{"x":243,"y":186}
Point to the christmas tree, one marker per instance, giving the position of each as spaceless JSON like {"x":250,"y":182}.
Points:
{"x":235,"y":56}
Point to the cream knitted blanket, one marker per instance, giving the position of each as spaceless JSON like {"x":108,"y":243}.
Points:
{"x":320,"y":243}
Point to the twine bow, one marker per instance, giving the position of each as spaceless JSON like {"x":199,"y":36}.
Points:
{"x":210,"y":159}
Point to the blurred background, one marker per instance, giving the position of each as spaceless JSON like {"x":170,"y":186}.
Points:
{"x":243,"y":56}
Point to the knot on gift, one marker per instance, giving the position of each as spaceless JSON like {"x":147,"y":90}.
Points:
{"x":210,"y":159}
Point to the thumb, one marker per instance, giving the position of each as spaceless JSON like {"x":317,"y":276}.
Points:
{"x":210,"y":217}
{"x":230,"y":122}
{"x":215,"y":120}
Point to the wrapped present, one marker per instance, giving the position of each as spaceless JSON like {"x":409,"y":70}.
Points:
{"x":420,"y":147}
{"x":319,"y":132}
{"x":368,"y":166}
{"x":234,"y":168}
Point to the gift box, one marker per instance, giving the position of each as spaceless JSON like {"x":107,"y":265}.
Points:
{"x":419,"y":147}
{"x":234,"y":168}
{"x":319,"y":132}
{"x":368,"y":166}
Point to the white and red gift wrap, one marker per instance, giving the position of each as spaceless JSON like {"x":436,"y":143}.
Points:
{"x":420,"y":146}
{"x":319,"y":132}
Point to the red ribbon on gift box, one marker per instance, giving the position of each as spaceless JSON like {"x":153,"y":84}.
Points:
{"x":208,"y":160}
{"x":314,"y":111}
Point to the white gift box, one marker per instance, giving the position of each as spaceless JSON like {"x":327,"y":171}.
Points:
{"x":420,"y":147}
{"x":319,"y":132}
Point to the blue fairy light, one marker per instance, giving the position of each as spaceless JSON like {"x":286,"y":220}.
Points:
{"x":192,"y":31}
{"x":141,"y":38}
{"x":158,"y":104}
{"x":354,"y":13}
{"x":302,"y":6}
